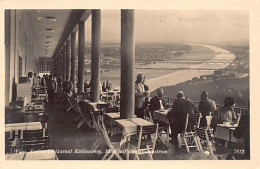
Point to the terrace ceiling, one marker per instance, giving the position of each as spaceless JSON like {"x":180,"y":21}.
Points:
{"x":50,"y":28}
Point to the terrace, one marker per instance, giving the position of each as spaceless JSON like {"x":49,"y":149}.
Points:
{"x":46,"y":43}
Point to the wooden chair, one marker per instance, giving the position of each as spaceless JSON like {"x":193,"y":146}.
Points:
{"x":112,"y":142}
{"x":208,"y":119}
{"x":32,"y":117}
{"x":32,"y":140}
{"x":72,"y":101}
{"x":8,"y":142}
{"x":145,"y":140}
{"x":100,"y":139}
{"x":205,"y":136}
{"x":196,"y":119}
{"x":84,"y":112}
{"x":35,"y":144}
{"x":188,"y":138}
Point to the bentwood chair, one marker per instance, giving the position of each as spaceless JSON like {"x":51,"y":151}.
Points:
{"x":145,"y":140}
{"x":187,"y":138}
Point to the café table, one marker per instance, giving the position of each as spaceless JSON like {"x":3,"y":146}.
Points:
{"x":129,"y":128}
{"x":225,"y":132}
{"x":23,"y":126}
{"x":110,"y":117}
{"x":160,"y":116}
{"x":33,"y":155}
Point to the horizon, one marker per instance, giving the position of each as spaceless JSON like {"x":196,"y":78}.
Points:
{"x":177,"y":26}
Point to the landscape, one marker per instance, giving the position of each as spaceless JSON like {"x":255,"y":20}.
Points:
{"x":228,"y":77}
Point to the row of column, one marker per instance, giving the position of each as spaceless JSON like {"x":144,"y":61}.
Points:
{"x":63,"y":61}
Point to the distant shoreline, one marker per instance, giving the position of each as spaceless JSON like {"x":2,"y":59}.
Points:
{"x":158,"y":78}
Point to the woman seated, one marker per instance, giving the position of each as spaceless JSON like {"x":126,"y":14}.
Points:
{"x":225,"y":114}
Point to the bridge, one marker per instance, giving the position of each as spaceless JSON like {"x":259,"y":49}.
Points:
{"x":195,"y":62}
{"x":176,"y":69}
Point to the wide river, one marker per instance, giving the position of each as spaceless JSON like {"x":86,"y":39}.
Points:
{"x":157,"y":77}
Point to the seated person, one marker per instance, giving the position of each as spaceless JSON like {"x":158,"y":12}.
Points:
{"x":225,"y":114}
{"x":206,"y":106}
{"x":242,"y":131}
{"x":157,"y":102}
{"x":177,"y":116}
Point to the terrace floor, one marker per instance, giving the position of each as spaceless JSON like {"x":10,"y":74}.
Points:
{"x":72,"y":143}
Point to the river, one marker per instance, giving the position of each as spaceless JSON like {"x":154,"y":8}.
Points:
{"x":157,"y":78}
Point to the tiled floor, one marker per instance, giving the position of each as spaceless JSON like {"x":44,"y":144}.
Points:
{"x":72,"y":143}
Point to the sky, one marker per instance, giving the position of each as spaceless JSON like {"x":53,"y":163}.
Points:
{"x":197,"y":26}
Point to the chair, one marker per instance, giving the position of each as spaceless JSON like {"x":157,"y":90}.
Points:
{"x":112,"y":142}
{"x":43,"y":118}
{"x":203,"y":135}
{"x":35,"y":144}
{"x":196,"y":119}
{"x":72,"y":103}
{"x":188,"y":138}
{"x":208,"y":119}
{"x":32,"y":117}
{"x":32,"y":140}
{"x":84,"y":112}
{"x":143,"y":143}
{"x":8,"y":142}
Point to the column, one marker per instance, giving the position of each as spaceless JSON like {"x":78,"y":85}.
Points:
{"x":81,"y":56}
{"x":64,"y":62}
{"x":61,"y":64}
{"x":7,"y":56}
{"x":95,"y":55}
{"x":127,"y":64}
{"x":67,"y":58}
{"x":73,"y":53}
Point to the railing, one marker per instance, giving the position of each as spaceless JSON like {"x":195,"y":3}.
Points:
{"x":238,"y":110}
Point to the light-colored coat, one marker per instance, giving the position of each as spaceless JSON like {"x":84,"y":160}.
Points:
{"x":139,"y":95}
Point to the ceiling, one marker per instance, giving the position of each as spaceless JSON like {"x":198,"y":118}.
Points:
{"x":50,"y":28}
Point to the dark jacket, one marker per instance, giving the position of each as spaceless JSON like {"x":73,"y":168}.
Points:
{"x":179,"y":111}
{"x":206,"y":106}
{"x":155,"y":103}
{"x":243,"y":131}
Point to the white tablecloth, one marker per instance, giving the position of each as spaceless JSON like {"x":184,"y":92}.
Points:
{"x":161,"y":116}
{"x":33,"y":155}
{"x":129,"y":126}
{"x":225,"y":132}
{"x":23,"y":126}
